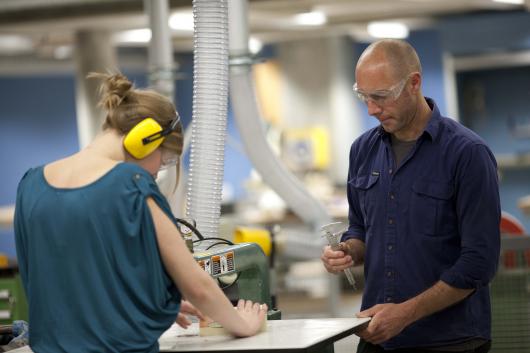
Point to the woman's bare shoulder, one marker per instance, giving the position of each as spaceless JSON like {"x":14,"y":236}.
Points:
{"x":77,"y":170}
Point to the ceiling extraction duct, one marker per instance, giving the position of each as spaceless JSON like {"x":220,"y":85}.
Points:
{"x":160,"y":49}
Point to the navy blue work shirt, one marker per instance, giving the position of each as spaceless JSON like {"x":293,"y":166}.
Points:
{"x":435,"y":217}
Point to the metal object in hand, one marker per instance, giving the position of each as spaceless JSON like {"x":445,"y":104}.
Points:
{"x":333,"y":233}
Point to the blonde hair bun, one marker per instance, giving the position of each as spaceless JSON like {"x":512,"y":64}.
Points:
{"x":114,"y":89}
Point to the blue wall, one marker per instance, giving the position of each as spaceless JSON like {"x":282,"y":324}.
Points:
{"x":485,"y":33}
{"x":488,"y":99}
{"x":491,"y":102}
{"x":37,"y":126}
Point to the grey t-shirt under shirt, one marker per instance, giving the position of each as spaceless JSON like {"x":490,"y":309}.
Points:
{"x":401,"y":149}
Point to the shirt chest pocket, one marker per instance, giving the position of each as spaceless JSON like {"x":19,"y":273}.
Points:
{"x":431,"y":208}
{"x":366,"y":187}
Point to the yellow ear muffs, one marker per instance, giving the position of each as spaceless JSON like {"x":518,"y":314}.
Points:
{"x":136,"y":142}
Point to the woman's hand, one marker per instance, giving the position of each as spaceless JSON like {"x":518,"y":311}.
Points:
{"x":186,"y":308}
{"x":253,"y":314}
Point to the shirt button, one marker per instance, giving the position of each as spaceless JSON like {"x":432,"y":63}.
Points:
{"x":136,"y":176}
{"x":392,"y":196}
{"x":390,"y":221}
{"x":390,"y":171}
{"x":388,"y":299}
{"x":389,"y":274}
{"x":390,"y":247}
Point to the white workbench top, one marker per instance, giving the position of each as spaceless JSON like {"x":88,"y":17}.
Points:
{"x":280,"y":335}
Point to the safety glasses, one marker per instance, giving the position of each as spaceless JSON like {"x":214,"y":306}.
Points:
{"x":384,"y":96}
{"x":169,"y":159}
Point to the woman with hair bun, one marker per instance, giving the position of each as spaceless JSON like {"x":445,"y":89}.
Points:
{"x":103,"y":264}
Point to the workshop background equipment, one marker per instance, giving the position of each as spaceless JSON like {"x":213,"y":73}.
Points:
{"x":510,"y":297}
{"x":13,"y":304}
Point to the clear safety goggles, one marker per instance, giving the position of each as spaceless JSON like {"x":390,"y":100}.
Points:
{"x":169,"y":159}
{"x":383,"y":96}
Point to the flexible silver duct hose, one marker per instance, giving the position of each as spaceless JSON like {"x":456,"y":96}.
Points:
{"x":273,"y":172}
{"x":249,"y":122}
{"x":210,"y":99}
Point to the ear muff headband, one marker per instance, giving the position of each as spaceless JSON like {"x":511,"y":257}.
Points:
{"x":163,"y":133}
{"x":146,"y":136}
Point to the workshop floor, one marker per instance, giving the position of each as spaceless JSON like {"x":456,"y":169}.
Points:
{"x":300,"y":306}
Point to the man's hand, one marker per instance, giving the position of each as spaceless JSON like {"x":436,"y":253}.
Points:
{"x":388,"y":320}
{"x":335,"y":261}
{"x":186,"y":308}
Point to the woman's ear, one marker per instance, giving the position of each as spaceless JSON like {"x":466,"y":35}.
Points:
{"x":151,"y":163}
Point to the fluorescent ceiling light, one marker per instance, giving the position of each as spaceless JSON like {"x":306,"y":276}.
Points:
{"x":134,"y":36}
{"x":388,"y":30}
{"x":254,"y":45}
{"x":14,"y":44}
{"x":63,"y":52}
{"x":181,"y":21}
{"x":314,"y":18}
{"x":515,"y":2}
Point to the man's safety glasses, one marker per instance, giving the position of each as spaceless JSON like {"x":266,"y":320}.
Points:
{"x":383,"y":96}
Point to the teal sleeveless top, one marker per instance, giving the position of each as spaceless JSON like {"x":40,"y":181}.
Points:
{"x":90,"y":264}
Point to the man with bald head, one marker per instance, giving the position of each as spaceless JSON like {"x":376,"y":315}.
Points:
{"x":424,"y":215}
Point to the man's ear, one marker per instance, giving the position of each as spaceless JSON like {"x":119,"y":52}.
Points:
{"x":415,"y":80}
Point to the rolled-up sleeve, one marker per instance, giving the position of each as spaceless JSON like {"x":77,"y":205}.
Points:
{"x":478,"y":210}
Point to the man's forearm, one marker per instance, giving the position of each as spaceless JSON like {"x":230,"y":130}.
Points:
{"x":434,"y":299}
